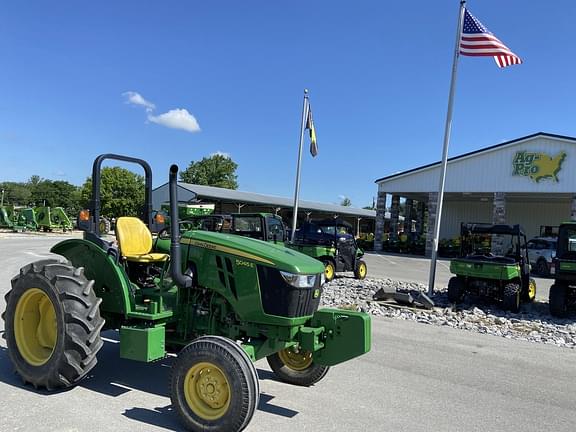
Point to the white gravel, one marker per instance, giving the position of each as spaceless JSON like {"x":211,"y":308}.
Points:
{"x":533,"y":323}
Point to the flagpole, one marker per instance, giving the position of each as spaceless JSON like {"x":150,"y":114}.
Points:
{"x":447,"y":130}
{"x":305,"y":108}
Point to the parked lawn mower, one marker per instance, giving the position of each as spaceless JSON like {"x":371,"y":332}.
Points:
{"x":562,"y":294}
{"x":220,"y":302}
{"x":484,"y":270}
{"x":332,"y":242}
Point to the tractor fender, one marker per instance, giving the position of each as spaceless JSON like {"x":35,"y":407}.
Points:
{"x":111,"y":282}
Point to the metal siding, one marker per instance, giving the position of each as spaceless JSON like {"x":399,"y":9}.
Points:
{"x":491,"y":171}
{"x":532,"y":215}
{"x":456,"y":212}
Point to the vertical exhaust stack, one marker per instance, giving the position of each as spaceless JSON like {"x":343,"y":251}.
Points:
{"x":181,"y":279}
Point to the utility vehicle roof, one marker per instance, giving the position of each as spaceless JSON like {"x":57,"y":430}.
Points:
{"x":331,"y":222}
{"x":484,"y":228}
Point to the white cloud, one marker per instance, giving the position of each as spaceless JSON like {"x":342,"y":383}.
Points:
{"x":134,"y":98}
{"x":342,"y":197}
{"x":178,"y":118}
{"x":221,"y":153}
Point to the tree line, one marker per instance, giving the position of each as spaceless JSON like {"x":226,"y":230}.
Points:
{"x":121,"y":190}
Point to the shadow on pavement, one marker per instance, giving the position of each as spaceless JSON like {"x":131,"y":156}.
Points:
{"x":114,"y":376}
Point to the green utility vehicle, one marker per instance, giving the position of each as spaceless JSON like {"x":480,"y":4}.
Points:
{"x":562,"y":294}
{"x":219,"y":301}
{"x":332,"y":242}
{"x":493,"y":263}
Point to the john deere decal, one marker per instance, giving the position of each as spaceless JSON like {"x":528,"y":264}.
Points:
{"x":538,"y":166}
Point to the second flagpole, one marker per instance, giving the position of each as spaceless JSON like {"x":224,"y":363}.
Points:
{"x":297,"y":189}
{"x":447,"y":131}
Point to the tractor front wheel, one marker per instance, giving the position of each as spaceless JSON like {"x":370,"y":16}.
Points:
{"x":511,"y":297}
{"x":295,"y":366}
{"x":557,"y":300}
{"x":214,"y":386}
{"x":53,"y":324}
{"x":361,"y":270}
{"x":329,"y":270}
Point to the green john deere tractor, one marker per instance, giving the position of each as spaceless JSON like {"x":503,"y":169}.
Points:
{"x":493,"y":263}
{"x":332,"y":242}
{"x":562,"y":294}
{"x":219,"y":302}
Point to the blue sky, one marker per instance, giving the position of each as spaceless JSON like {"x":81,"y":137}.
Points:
{"x":378,"y":74}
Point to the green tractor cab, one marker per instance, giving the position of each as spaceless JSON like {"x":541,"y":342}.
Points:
{"x":562,"y":296}
{"x":332,"y":242}
{"x":218,"y":301}
{"x":493,"y":263}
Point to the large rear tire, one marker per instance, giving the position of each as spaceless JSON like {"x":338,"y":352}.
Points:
{"x":53,"y":324}
{"x":213,"y":386}
{"x":296,"y":367}
{"x":511,"y":297}
{"x":557,"y":300}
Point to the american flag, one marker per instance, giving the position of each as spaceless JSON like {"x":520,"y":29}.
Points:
{"x":476,"y":40}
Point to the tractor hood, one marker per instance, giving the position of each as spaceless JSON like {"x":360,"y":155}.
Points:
{"x":258,"y":251}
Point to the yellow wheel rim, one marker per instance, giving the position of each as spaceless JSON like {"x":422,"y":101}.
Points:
{"x":362,"y":270}
{"x":207,"y":391}
{"x":532,"y":290}
{"x":35,"y":327}
{"x":329,"y":271}
{"x":296,"y":359}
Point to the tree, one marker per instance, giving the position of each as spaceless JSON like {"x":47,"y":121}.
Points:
{"x":51,"y":193}
{"x":346,"y":202}
{"x":121,"y":192}
{"x":15,"y":193}
{"x":216,"y":170}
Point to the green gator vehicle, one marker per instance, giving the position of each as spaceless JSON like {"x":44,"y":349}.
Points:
{"x":332,"y":242}
{"x":562,"y":294}
{"x":484,"y":270}
{"x":218,"y":301}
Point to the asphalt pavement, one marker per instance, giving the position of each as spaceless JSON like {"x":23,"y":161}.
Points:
{"x":416,"y":378}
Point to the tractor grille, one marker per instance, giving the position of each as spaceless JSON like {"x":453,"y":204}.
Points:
{"x":282,"y":299}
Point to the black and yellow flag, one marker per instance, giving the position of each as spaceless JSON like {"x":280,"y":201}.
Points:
{"x":312,"y":130}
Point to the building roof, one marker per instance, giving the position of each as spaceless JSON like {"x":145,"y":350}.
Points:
{"x":235,"y":196}
{"x":476,"y":152}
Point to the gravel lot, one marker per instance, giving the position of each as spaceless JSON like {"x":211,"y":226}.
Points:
{"x":533,"y":323}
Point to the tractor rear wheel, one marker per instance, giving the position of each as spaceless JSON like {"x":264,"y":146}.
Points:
{"x":456,"y":290}
{"x":329,"y":270}
{"x":297,"y":367}
{"x":511,"y":297}
{"x":214,"y":386}
{"x":557,"y":300}
{"x":361,"y":270}
{"x":529,"y":294}
{"x":53,"y":324}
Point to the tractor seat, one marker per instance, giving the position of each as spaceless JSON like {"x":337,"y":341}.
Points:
{"x":135,"y":241}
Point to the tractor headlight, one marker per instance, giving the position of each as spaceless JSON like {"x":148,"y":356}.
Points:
{"x":299,"y":281}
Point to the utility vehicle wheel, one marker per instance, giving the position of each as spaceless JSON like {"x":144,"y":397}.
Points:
{"x":361,"y":270}
{"x":529,"y":294}
{"x":557,"y":299}
{"x":511,"y":297}
{"x":456,"y":290}
{"x":214,"y":386}
{"x":297,"y":367}
{"x":542,"y":267}
{"x":53,"y":324}
{"x":329,"y":270}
